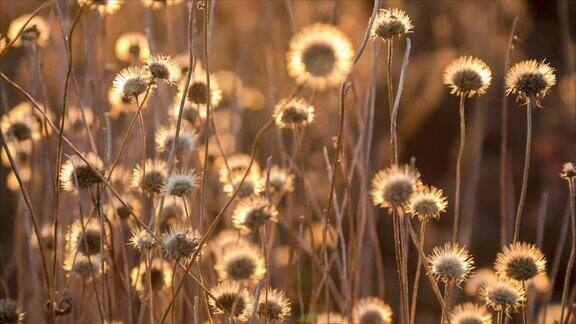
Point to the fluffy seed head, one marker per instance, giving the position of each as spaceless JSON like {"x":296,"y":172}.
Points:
{"x":480,"y":278}
{"x":530,"y":80}
{"x":238,"y":164}
{"x":163,"y":67}
{"x":372,"y":310}
{"x":77,"y":175}
{"x":132,"y":81}
{"x":123,"y":212}
{"x":233,"y":299}
{"x":10,"y":312}
{"x":151,"y":177}
{"x":243,"y":263}
{"x":273,"y":306}
{"x":87,"y":237}
{"x":160,"y":276}
{"x":252,"y":185}
{"x":37,"y":30}
{"x":427,"y":203}
{"x":187,"y":139}
{"x":180,"y":183}
{"x":450,"y":263}
{"x":23,"y":124}
{"x":319,"y":56}
{"x":504,"y":295}
{"x":85,"y":266}
{"x":394,"y":186}
{"x":132,"y":47}
{"x":47,"y":237}
{"x":391,"y":23}
{"x":142,"y":240}
{"x":197,"y":90}
{"x":520,"y":261}
{"x":180,"y":243}
{"x":253,"y":212}
{"x":568,"y":171}
{"x":470,"y":313}
{"x":467,"y":76}
{"x":293,"y":113}
{"x":280,"y":180}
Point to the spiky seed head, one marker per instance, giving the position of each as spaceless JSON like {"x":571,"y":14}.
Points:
{"x":181,"y":183}
{"x":253,"y":212}
{"x":160,"y":276}
{"x":520,"y":261}
{"x":319,"y":56}
{"x":281,"y":180}
{"x":85,"y":266}
{"x":329,"y":318}
{"x":47,"y":237}
{"x":450,"y":263}
{"x":273,"y":306}
{"x":77,"y":174}
{"x":293,"y":113}
{"x":165,"y":137}
{"x":394,"y":186}
{"x":124,"y":211}
{"x":568,"y":171}
{"x":372,"y":310}
{"x":530,"y":80}
{"x":470,"y":313}
{"x":150,"y":177}
{"x":132,"y":81}
{"x":391,"y":23}
{"x":236,"y":164}
{"x":198,"y":88}
{"x":231,"y":298}
{"x":243,"y":263}
{"x":180,"y":243}
{"x":10,"y":312}
{"x":480,"y":278}
{"x":467,"y":76}
{"x":504,"y":295}
{"x":252,"y":185}
{"x":163,"y":67}
{"x":142,"y":240}
{"x":427,"y":203}
{"x":132,"y":47}
{"x":87,"y":237}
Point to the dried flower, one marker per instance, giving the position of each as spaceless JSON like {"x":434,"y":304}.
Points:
{"x":253,"y":212}
{"x":87,"y":237}
{"x":153,"y":181}
{"x":319,"y":57}
{"x":163,"y":67}
{"x":253,"y":184}
{"x":36,"y":31}
{"x":450,"y":263}
{"x":467,"y":76}
{"x":390,"y":23}
{"x":142,"y":240}
{"x":242,"y":263}
{"x":236,"y":164}
{"x":470,"y":313}
{"x":180,"y":183}
{"x":198,"y":89}
{"x":160,"y":276}
{"x":165,"y":136}
{"x":233,"y":299}
{"x":23,"y":123}
{"x":132,"y":47}
{"x":180,"y":243}
{"x":520,"y":261}
{"x":530,"y":80}
{"x":85,"y":266}
{"x":504,"y":295}
{"x":394,"y":186}
{"x":280,"y":180}
{"x":132,"y":81}
{"x":372,"y":310}
{"x":77,"y":174}
{"x":293,"y":113}
{"x":273,"y":306}
{"x":46,"y":235}
{"x":482,"y":277}
{"x":427,"y":203}
{"x":10,"y":312}
{"x":568,"y":171}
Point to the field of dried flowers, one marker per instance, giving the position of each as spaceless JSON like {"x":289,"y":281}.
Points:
{"x":287,"y":161}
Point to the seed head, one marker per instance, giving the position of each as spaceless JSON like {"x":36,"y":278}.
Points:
{"x":132,"y":47}
{"x":394,"y":186}
{"x":280,"y":180}
{"x":480,"y":278}
{"x":163,"y":67}
{"x":77,"y":174}
{"x":132,"y":81}
{"x":273,"y":306}
{"x":142,"y":240}
{"x":253,"y":212}
{"x":467,"y":76}
{"x":87,"y":237}
{"x":427,"y":203}
{"x":372,"y":310}
{"x":10,"y":312}
{"x":197,"y":90}
{"x":470,"y":313}
{"x":293,"y":113}
{"x":242,"y":263}
{"x":231,"y":298}
{"x":187,"y":139}
{"x":236,"y":164}
{"x":391,"y":23}
{"x":85,"y":266}
{"x":153,"y":180}
{"x":160,"y":276}
{"x":520,"y":261}
{"x":36,"y":31}
{"x":252,"y":185}
{"x":568,"y":171}
{"x":181,"y":183}
{"x":450,"y":263}
{"x":530,"y":80}
{"x":180,"y":243}
{"x":504,"y":295}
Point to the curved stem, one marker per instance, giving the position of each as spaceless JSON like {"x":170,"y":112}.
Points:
{"x":459,"y":170}
{"x":526,"y":170}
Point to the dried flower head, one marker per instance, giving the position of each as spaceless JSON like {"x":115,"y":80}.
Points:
{"x":171,"y":214}
{"x":120,"y":105}
{"x":520,"y":261}
{"x":46,"y":235}
{"x":253,"y":184}
{"x":450,"y":263}
{"x":160,"y":276}
{"x":230,"y":297}
{"x":482,"y":277}
{"x":273,"y":306}
{"x":329,"y":318}
{"x":159,"y":4}
{"x":165,"y":136}
{"x":198,"y":89}
{"x":568,"y":171}
{"x":391,"y":23}
{"x":132,"y":81}
{"x":180,"y":243}
{"x":85,"y":266}
{"x":530,"y":80}
{"x":293,"y":113}
{"x":36,"y":31}
{"x":394,"y":186}
{"x":87,"y":237}
{"x":21,"y":153}
{"x":132,"y":47}
{"x":319,"y":56}
{"x":372,"y":310}
{"x":191,"y":113}
{"x":22,"y":123}
{"x":142,"y":240}
{"x":504,"y":295}
{"x":227,"y":238}
{"x":237,"y":164}
{"x":124,"y":212}
{"x":77,"y":174}
{"x":10,"y":312}
{"x":427,"y":203}
{"x":253,"y":212}
{"x":180,"y":183}
{"x":281,"y":180}
{"x":317,"y":235}
{"x":470,"y":313}
{"x":467,"y":76}
{"x":163,"y":67}
{"x":243,"y":263}
{"x":103,"y":6}
{"x":154,"y":178}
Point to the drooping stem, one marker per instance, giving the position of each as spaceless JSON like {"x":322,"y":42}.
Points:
{"x":525,"y":172}
{"x":570,"y":266}
{"x":459,"y":170}
{"x":417,"y":275}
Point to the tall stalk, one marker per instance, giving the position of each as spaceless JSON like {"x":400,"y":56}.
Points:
{"x":570,"y":265}
{"x":459,"y":169}
{"x":417,"y":275}
{"x":525,"y":172}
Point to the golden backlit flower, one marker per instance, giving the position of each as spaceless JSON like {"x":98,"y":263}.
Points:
{"x":120,"y":105}
{"x":504,"y":295}
{"x":237,"y":163}
{"x":520,"y":261}
{"x":132,"y":47}
{"x":180,"y":183}
{"x":394,"y":186}
{"x":163,"y":67}
{"x":85,"y":266}
{"x":319,"y":56}
{"x":141,"y":240}
{"x":468,"y":313}
{"x":103,"y":6}
{"x":293,"y":113}
{"x":273,"y":306}
{"x":46,"y":235}
{"x":226,"y":238}
{"x":75,"y":118}
{"x":253,"y":212}
{"x":165,"y":136}
{"x":390,"y":23}
{"x":77,"y":174}
{"x":37,"y":30}
{"x":281,"y":180}
{"x":233,"y":299}
{"x":467,"y":76}
{"x":450,"y":263}
{"x":427,"y":203}
{"x":568,"y":171}
{"x":153,"y":181}
{"x":242,"y":263}
{"x":132,"y":81}
{"x":197,"y":90}
{"x":530,"y":80}
{"x":116,"y":208}
{"x":482,"y":277}
{"x":371,"y":310}
{"x":180,"y":242}
{"x":87,"y":237}
{"x":159,"y":4}
{"x":23,"y":122}
{"x":160,"y":276}
{"x":253,"y":184}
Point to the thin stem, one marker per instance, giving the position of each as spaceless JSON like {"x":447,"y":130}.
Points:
{"x":390,"y":44}
{"x":570,"y":265}
{"x":394,"y":111}
{"x":417,"y":275}
{"x":448,"y":289}
{"x":399,"y":263}
{"x":526,"y":170}
{"x":459,"y":169}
